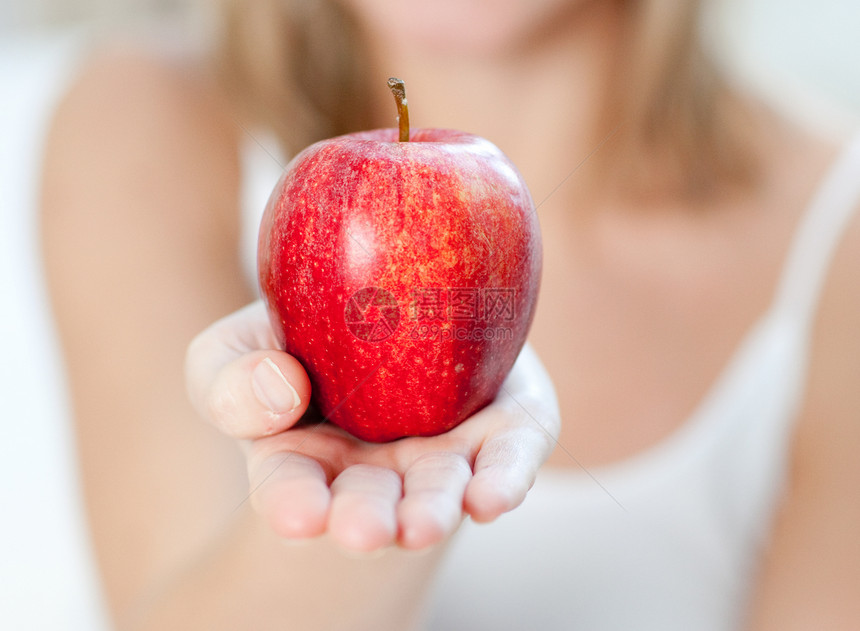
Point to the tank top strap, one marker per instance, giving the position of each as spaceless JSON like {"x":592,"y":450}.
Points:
{"x":818,"y":234}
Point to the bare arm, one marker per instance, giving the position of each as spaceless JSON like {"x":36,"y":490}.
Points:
{"x":138,"y":214}
{"x":140,"y":247}
{"x":811,"y":578}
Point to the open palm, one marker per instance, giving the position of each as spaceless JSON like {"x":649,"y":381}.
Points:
{"x":309,"y":477}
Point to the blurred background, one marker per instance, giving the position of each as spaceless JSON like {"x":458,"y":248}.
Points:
{"x":781,"y":43}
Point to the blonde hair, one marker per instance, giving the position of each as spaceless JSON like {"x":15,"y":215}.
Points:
{"x":298,"y":67}
{"x":672,"y":101}
{"x":294,"y":66}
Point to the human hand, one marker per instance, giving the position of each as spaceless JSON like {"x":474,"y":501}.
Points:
{"x":307,"y":478}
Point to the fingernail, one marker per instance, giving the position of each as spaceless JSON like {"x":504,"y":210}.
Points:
{"x":272,"y":388}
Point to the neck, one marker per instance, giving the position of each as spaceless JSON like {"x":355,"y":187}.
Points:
{"x":540,"y":105}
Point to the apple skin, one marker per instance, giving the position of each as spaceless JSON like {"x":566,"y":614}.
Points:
{"x":363,"y":227}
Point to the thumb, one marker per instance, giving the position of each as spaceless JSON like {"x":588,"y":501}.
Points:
{"x":259,"y":394}
{"x":246,"y":392}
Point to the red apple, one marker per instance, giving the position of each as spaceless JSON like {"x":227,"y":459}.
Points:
{"x":403,"y":275}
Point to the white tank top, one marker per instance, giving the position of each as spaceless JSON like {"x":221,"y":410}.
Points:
{"x":670,"y":538}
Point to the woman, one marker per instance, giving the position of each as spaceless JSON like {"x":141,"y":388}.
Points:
{"x":691,"y":318}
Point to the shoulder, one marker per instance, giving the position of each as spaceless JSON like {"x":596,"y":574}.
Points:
{"x":829,"y":425}
{"x":121,"y":87}
{"x":132,"y":120}
{"x":812,"y":568}
{"x":835,"y":327}
{"x":831,"y":413}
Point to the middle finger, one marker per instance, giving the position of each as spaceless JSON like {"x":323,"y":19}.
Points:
{"x":363,"y":515}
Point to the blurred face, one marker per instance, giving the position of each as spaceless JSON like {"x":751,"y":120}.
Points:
{"x":463,"y":26}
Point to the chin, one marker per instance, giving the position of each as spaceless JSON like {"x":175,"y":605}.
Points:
{"x":458,"y":27}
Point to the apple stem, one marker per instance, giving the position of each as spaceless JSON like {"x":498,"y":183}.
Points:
{"x":398,"y":89}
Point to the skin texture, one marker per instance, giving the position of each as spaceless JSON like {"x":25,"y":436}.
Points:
{"x":417,"y":224}
{"x":641,"y":304}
